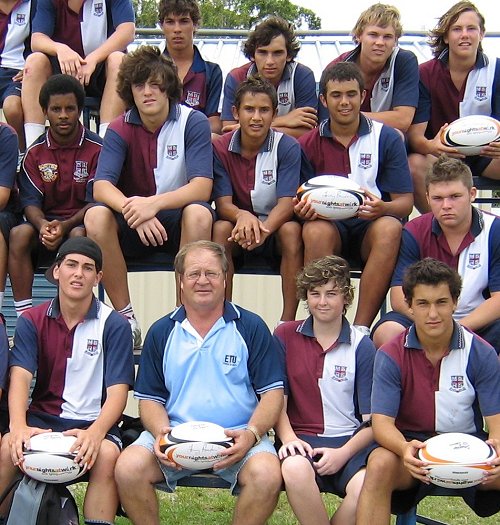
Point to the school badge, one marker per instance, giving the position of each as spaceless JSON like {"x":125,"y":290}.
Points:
{"x":98,"y":9}
{"x":92,"y":347}
{"x":457,"y":384}
{"x":267,"y":177}
{"x":474,"y":261}
{"x":384,"y":83}
{"x":172,"y":152}
{"x":480,"y":93}
{"x":81,"y":172}
{"x":340,"y":373}
{"x":283,"y":98}
{"x":365,"y":161}
{"x":48,"y":172}
{"x":193,"y":98}
{"x":20,"y":19}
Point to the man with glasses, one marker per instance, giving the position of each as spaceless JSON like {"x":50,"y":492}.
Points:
{"x":208,"y":360}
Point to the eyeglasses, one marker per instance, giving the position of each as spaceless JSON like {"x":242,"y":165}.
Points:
{"x":196,"y":274}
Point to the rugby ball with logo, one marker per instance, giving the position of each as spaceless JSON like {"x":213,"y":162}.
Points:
{"x":332,"y":197}
{"x":456,"y":460}
{"x":49,"y":459}
{"x":195,"y":445}
{"x":469,"y":134}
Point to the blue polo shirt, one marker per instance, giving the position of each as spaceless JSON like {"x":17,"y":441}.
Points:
{"x":217,"y":378}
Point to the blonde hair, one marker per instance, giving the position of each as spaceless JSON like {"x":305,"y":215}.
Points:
{"x":381,"y":15}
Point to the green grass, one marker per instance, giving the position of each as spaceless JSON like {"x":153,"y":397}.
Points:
{"x":189,"y":506}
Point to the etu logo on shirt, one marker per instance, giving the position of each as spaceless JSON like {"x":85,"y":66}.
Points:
{"x":230,"y":360}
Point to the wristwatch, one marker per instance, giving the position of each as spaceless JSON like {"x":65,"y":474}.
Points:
{"x":256,"y":434}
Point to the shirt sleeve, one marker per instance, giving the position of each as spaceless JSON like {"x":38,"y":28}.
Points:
{"x":198,"y":146}
{"x":394,"y":172}
{"x":405,"y":80}
{"x":119,"y":353}
{"x":4,"y":356}
{"x":494,"y":257}
{"x":122,"y":11}
{"x":288,"y":167}
{"x":25,"y":350}
{"x":214,"y":89}
{"x":230,"y":86}
{"x":45,"y":18}
{"x":112,"y":157}
{"x":409,"y":253}
{"x":386,"y":390}
{"x":305,"y":87}
{"x":8,"y":156}
{"x":222,"y":181}
{"x":31,"y":190}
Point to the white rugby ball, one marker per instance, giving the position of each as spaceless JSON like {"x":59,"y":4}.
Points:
{"x":469,"y":134}
{"x":195,"y":445}
{"x":49,"y":460}
{"x":332,"y":197}
{"x":456,"y":460}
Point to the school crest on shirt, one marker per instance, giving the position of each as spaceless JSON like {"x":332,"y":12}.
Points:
{"x":81,"y":172}
{"x":340,"y":373}
{"x":480,"y":93}
{"x":172,"y":152}
{"x":98,"y":9}
{"x":48,"y":172}
{"x":474,"y":261}
{"x":268,"y":177}
{"x":193,"y":98}
{"x":384,"y":83}
{"x":92,"y":347}
{"x":20,"y":19}
{"x":457,"y":384}
{"x":284,"y":98}
{"x":365,"y":160}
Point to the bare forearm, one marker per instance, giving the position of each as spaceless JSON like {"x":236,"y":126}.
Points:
{"x":112,"y":410}
{"x":268,"y":411}
{"x":154,"y":416}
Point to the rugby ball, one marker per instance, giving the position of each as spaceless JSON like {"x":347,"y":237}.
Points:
{"x":195,"y":445}
{"x":332,"y":197}
{"x":456,"y":460}
{"x":469,"y":134}
{"x":49,"y":459}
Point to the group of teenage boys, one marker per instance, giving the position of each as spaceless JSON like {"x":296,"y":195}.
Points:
{"x":148,"y":186}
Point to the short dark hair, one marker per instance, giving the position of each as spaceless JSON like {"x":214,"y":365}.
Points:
{"x":148,"y":63}
{"x":438,"y":35}
{"x":449,"y":169}
{"x":267,"y":30}
{"x":431,"y":272}
{"x":216,"y":249}
{"x":179,"y":8}
{"x":256,"y":84}
{"x":341,"y":72}
{"x":321,"y":271}
{"x":61,"y":85}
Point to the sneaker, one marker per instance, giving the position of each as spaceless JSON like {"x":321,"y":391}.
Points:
{"x":136,"y":332}
{"x":363,"y":329}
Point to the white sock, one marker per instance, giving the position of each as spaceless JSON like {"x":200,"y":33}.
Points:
{"x":102,"y":129}
{"x":128,"y":311}
{"x":32,"y":130}
{"x":2,"y":295}
{"x":22,"y":306}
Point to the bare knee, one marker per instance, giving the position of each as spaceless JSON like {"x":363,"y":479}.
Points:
{"x":261,"y":474}
{"x":136,"y":463}
{"x":197,"y":219}
{"x":385,"y":332}
{"x":37,"y":64}
{"x":99,"y":222}
{"x":295,"y":470}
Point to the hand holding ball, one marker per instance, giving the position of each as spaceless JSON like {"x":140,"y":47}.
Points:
{"x":470,"y":134}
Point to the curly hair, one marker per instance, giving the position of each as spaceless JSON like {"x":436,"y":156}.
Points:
{"x":321,"y":271}
{"x":381,"y":15}
{"x":179,"y":8}
{"x":61,"y":85}
{"x":267,"y":30}
{"x":148,"y":63}
{"x":430,"y":272}
{"x":439,"y":33}
{"x":256,"y":84}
